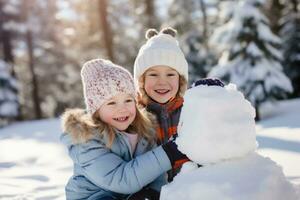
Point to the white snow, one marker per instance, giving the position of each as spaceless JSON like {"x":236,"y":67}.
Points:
{"x":242,"y":73}
{"x":33,"y":162}
{"x":257,"y":71}
{"x":35,"y":165}
{"x":253,"y":50}
{"x":8,"y":98}
{"x":9,"y":108}
{"x":239,"y":179}
{"x":216,"y":110}
{"x":279,"y":136}
{"x":220,"y":135}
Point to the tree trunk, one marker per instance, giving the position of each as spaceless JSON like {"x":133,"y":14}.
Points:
{"x":150,"y":13}
{"x":274,"y":14}
{"x":31,"y":64}
{"x":204,"y":24}
{"x":295,"y":6}
{"x":257,"y":116}
{"x":35,"y":93}
{"x":107,"y":35}
{"x":5,"y":40}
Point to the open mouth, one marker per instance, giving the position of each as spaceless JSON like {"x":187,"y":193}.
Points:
{"x":162,"y":91}
{"x":121,"y":119}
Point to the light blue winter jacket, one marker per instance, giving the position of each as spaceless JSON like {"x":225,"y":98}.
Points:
{"x":117,"y":172}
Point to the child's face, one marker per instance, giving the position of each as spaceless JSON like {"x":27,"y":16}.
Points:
{"x":161,"y":83}
{"x":119,"y":111}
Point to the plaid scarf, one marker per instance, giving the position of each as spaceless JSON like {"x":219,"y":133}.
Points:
{"x":168,"y":118}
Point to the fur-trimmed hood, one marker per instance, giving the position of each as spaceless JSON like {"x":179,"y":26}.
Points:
{"x":78,"y":124}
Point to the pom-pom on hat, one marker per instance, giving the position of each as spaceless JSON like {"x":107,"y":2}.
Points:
{"x":160,"y":49}
{"x":102,"y":80}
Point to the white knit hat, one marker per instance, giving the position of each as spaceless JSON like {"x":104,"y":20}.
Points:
{"x":102,"y":80}
{"x":160,"y":49}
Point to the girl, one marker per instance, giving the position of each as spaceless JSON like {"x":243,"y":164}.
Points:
{"x":161,"y":74}
{"x":112,"y":143}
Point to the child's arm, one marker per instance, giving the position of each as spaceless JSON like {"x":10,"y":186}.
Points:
{"x":108,"y":171}
{"x":159,"y":182}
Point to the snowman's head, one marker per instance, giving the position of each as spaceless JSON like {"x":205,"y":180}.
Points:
{"x":216,"y":124}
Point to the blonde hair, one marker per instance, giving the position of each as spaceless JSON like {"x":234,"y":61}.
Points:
{"x":143,"y":97}
{"x":143,"y":125}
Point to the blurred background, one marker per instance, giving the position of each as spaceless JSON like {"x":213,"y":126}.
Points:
{"x":43,"y":44}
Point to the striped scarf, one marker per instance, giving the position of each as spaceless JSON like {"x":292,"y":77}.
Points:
{"x":168,"y":118}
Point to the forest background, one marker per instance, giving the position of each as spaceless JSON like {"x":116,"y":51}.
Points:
{"x":43,"y":44}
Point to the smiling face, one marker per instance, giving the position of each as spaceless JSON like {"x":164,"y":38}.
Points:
{"x":119,"y":111}
{"x":161,"y":83}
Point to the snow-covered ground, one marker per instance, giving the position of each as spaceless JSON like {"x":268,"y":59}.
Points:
{"x":35,"y":165}
{"x":279,"y":136}
{"x":33,"y":162}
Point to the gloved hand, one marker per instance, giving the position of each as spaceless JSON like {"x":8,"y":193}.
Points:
{"x":208,"y":82}
{"x":177,"y":158}
{"x":145,"y":194}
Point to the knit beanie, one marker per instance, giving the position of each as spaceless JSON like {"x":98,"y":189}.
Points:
{"x":102,"y":80}
{"x":160,"y":49}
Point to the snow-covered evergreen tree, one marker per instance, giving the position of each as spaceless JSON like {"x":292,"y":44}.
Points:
{"x":9,"y":104}
{"x":194,"y":21}
{"x":290,"y":33}
{"x":181,"y":15}
{"x":250,"y":55}
{"x":200,"y":59}
{"x":9,"y":101}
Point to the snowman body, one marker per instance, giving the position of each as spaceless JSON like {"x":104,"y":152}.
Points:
{"x":217,"y":131}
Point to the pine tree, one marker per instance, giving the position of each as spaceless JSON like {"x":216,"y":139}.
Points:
{"x":9,"y":104}
{"x":181,"y":15}
{"x":193,"y":22}
{"x":250,"y":55}
{"x":290,"y":33}
{"x":199,"y":58}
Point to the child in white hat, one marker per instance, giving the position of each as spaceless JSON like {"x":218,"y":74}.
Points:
{"x":161,"y":73}
{"x":112,"y":143}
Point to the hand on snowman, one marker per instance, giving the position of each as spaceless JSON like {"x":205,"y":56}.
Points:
{"x":176,"y":157}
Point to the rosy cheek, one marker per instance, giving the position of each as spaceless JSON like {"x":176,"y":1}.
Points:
{"x":105,"y":117}
{"x":176,"y":83}
{"x":149,"y":83}
{"x":147,"y":88}
{"x":133,"y":111}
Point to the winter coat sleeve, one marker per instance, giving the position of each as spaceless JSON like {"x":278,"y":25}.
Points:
{"x":110,"y":172}
{"x":159,"y":182}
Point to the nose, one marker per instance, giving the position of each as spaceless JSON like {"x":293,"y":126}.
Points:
{"x":122,"y":107}
{"x":161,"y":80}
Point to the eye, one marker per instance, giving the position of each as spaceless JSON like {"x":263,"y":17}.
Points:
{"x":129,"y":100}
{"x":171,"y":74}
{"x":111,"y":103}
{"x":152,"y":74}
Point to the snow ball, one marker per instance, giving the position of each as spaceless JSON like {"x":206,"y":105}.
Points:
{"x":216,"y":124}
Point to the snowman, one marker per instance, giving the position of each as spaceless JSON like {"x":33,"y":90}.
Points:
{"x":217,"y":131}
